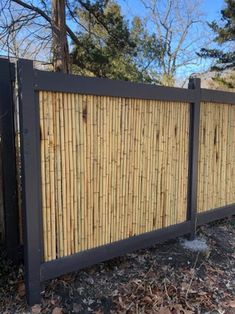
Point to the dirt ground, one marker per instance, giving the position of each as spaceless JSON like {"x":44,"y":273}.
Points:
{"x":163,"y":279}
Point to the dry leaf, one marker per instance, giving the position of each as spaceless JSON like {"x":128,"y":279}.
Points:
{"x":147,"y":300}
{"x":202,"y":293}
{"x":57,"y":310}
{"x":184,"y":286}
{"x":120,"y":302}
{"x":21,"y":289}
{"x":164,"y":310}
{"x":232,"y":303}
{"x":36,"y":309}
{"x":179,"y":309}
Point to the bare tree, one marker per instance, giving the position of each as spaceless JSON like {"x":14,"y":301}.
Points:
{"x":21,"y":32}
{"x":40,"y":23}
{"x":60,"y":44}
{"x":176,"y":24}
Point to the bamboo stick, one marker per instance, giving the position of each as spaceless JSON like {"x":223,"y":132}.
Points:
{"x":137,"y":165}
{"x":105,"y":170}
{"x":96,"y":161}
{"x":158,"y":179}
{"x":83,"y":171}
{"x":178,"y":164}
{"x":129,"y":170}
{"x":101,"y":175}
{"x":118,"y":152}
{"x":71,"y":171}
{"x":73,"y":176}
{"x":185,"y":161}
{"x":51,"y":175}
{"x":43,"y":173}
{"x":59,"y":177}
{"x":122,"y":163}
{"x":47,"y":177}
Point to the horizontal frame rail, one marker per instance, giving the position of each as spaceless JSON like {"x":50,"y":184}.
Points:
{"x":210,"y":95}
{"x":59,"y":82}
{"x":215,"y":214}
{"x":90,"y":257}
{"x":75,"y":262}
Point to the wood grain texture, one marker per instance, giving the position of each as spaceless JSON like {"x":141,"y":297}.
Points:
{"x":111,"y":168}
{"x":216,"y":181}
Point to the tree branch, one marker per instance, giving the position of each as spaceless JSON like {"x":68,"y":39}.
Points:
{"x":47,"y":18}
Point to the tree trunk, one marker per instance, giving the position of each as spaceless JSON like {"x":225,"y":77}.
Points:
{"x":61,"y":59}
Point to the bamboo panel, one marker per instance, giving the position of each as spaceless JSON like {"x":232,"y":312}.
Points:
{"x":216,"y":181}
{"x":111,"y":168}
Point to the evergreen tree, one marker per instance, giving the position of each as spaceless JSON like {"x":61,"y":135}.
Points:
{"x":225,"y":36}
{"x":110,"y":47}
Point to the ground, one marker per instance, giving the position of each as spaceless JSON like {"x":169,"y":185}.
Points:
{"x":164,"y":279}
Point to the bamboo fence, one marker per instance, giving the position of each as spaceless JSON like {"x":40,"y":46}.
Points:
{"x":216,"y":179}
{"x":111,"y":168}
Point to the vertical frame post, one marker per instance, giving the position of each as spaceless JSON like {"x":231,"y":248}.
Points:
{"x":195,"y":84}
{"x":8,"y":154}
{"x":31,"y":179}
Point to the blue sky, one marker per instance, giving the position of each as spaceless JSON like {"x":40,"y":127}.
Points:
{"x":211,"y":8}
{"x":211,"y":11}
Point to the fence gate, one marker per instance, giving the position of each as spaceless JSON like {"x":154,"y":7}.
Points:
{"x":109,"y":167}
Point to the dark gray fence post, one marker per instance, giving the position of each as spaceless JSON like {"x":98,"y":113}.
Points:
{"x":195,"y":84}
{"x":31,"y":185}
{"x":8,"y":151}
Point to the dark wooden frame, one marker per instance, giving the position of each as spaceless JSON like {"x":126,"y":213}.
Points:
{"x":59,"y":82}
{"x":194,"y":84}
{"x":31,"y":179}
{"x":8,"y":156}
{"x":31,"y":81}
